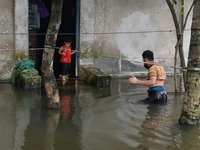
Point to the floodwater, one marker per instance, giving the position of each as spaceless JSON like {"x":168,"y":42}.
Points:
{"x":92,"y":118}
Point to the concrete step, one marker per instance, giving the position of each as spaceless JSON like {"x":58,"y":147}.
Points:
{"x":94,"y":76}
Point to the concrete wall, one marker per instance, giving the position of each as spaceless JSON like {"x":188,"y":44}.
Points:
{"x":113,"y":34}
{"x":118,"y":31}
{"x":13,"y":35}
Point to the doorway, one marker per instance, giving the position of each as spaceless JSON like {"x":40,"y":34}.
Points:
{"x":68,"y":28}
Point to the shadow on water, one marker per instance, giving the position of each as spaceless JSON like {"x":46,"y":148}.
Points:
{"x":93,"y":118}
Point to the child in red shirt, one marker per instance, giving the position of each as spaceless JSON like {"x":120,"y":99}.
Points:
{"x":66,"y":51}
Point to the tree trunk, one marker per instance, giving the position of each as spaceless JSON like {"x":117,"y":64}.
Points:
{"x":191,"y":109}
{"x":48,"y":53}
{"x":179,"y":45}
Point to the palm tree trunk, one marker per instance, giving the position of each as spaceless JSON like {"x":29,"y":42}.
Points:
{"x":48,"y":53}
{"x":191,"y":109}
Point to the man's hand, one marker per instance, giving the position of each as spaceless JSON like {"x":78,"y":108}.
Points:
{"x":133,"y":79}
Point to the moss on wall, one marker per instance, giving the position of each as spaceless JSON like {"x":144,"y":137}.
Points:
{"x":6,"y":69}
{"x":9,"y":64}
{"x":94,"y":76}
{"x":19,"y":55}
{"x":89,"y":53}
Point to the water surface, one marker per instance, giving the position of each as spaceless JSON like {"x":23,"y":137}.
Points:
{"x":92,"y":118}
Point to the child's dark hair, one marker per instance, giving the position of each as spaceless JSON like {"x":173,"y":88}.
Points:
{"x":148,"y":54}
{"x":67,"y":39}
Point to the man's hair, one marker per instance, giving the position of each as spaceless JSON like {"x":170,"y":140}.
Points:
{"x":148,"y":54}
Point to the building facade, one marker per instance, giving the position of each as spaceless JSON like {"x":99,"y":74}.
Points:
{"x":109,"y":34}
{"x":13,"y":35}
{"x":119,"y":31}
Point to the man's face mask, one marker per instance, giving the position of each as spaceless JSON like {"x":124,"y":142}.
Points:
{"x":146,"y":66}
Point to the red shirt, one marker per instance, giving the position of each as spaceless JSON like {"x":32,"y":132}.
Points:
{"x":67,"y":57}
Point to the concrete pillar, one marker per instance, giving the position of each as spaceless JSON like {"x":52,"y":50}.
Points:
{"x":21,"y":25}
{"x":13,"y":35}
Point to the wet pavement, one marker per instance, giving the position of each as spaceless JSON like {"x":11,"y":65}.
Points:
{"x":92,"y":118}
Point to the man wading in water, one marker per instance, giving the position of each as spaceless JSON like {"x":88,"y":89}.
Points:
{"x":155,"y":79}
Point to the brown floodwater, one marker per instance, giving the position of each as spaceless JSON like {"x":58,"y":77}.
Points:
{"x":92,"y":118}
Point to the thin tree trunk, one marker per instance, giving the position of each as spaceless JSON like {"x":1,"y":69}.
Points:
{"x":179,"y":45}
{"x":48,"y":53}
{"x":191,"y":109}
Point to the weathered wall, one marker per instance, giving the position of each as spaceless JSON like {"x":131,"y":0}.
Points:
{"x":120,"y":31}
{"x":116,"y":30}
{"x":13,"y":35}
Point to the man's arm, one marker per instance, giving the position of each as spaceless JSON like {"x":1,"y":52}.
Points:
{"x":150,"y":82}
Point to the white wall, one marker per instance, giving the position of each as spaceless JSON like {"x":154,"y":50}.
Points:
{"x":21,"y":25}
{"x":13,"y":34}
{"x":117,"y":30}
{"x":124,"y":29}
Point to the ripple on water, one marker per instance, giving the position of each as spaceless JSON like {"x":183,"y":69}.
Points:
{"x":148,"y":125}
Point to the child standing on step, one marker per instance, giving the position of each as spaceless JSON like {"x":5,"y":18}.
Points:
{"x":66,"y":51}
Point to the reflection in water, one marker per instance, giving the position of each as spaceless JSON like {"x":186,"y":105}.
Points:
{"x":152,"y":125}
{"x":64,"y":82}
{"x":92,"y":118}
{"x":65,"y":99}
{"x":23,"y":120}
{"x":41,"y":130}
{"x":7,"y":117}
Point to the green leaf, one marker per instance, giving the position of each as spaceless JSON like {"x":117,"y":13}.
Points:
{"x":181,"y":7}
{"x":175,"y":2}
